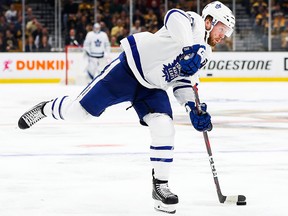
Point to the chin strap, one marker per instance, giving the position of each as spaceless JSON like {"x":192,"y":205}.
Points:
{"x":207,"y":33}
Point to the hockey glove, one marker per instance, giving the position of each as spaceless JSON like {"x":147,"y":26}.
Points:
{"x":200,"y":121}
{"x":191,"y":60}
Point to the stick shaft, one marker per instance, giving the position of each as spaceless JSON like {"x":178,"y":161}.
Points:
{"x":209,"y":151}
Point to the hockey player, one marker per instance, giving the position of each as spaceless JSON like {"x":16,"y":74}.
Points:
{"x":149,"y":64}
{"x":97,"y":48}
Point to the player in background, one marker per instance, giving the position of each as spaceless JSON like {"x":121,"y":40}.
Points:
{"x":97,"y":48}
{"x":148,"y":66}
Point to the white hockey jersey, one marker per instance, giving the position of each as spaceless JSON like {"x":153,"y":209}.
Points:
{"x":97,"y":44}
{"x":154,"y":58}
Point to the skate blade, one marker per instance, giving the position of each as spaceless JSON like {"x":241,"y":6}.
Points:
{"x":159,"y":206}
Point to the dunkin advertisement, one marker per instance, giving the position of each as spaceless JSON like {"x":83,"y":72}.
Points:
{"x":29,"y":66}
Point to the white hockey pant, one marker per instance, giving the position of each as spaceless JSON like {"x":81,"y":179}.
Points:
{"x":66,"y":109}
{"x":162,"y":143}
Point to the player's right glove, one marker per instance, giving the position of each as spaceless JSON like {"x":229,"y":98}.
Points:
{"x":200,"y":121}
{"x":191,"y":60}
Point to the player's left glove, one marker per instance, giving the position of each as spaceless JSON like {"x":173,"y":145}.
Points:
{"x":200,"y":121}
{"x":191,"y":59}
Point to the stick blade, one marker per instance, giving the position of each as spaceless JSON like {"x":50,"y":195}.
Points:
{"x":238,"y":200}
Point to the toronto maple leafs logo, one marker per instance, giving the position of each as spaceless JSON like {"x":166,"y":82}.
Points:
{"x":218,"y":6}
{"x":97,"y":43}
{"x":172,"y":70}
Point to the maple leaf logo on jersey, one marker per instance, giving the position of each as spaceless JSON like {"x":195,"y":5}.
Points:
{"x":97,"y":43}
{"x":172,"y":70}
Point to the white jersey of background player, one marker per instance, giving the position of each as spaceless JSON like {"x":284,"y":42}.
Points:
{"x":149,"y":65}
{"x":97,"y":48}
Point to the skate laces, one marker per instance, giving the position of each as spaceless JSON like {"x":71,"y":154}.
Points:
{"x":33,"y":116}
{"x":164,"y":189}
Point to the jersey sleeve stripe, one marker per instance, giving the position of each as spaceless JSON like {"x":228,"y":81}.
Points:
{"x":135,"y":55}
{"x":172,"y":11}
{"x":180,"y":87}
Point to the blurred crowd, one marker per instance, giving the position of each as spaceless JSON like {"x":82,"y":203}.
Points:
{"x":114,"y":19}
{"x":37,"y":36}
{"x":258,"y":9}
{"x":113,"y":15}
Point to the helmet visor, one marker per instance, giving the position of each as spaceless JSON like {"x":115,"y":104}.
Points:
{"x":224,"y":29}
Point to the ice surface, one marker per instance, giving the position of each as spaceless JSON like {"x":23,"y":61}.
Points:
{"x":101,"y":167}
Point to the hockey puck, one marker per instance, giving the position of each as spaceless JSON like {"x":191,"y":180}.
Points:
{"x":241,"y":200}
{"x":241,"y":203}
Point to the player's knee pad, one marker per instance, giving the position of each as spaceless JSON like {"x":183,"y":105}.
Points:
{"x":161,"y":128}
{"x":162,"y":146}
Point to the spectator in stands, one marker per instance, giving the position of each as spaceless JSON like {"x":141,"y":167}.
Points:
{"x":113,"y":42}
{"x":138,"y":16}
{"x":258,"y":7}
{"x":261,"y":21}
{"x":116,"y":30}
{"x":115,"y":7}
{"x":81,"y":26}
{"x":11,"y":14}
{"x":29,"y":14}
{"x":69,"y":11}
{"x":32,"y":26}
{"x":155,"y":6}
{"x":71,"y":39}
{"x":38,"y":38}
{"x":278,"y":20}
{"x":18,"y":25}
{"x":151,"y":21}
{"x":71,"y":21}
{"x":44,"y":46}
{"x":30,"y":46}
{"x":122,"y":34}
{"x":10,"y":42}
{"x":17,"y":33}
{"x":141,"y":8}
{"x":104,"y":28}
{"x":136,"y":28}
{"x":107,"y":19}
{"x":3,"y":23}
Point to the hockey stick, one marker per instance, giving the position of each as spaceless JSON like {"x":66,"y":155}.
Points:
{"x":239,"y":199}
